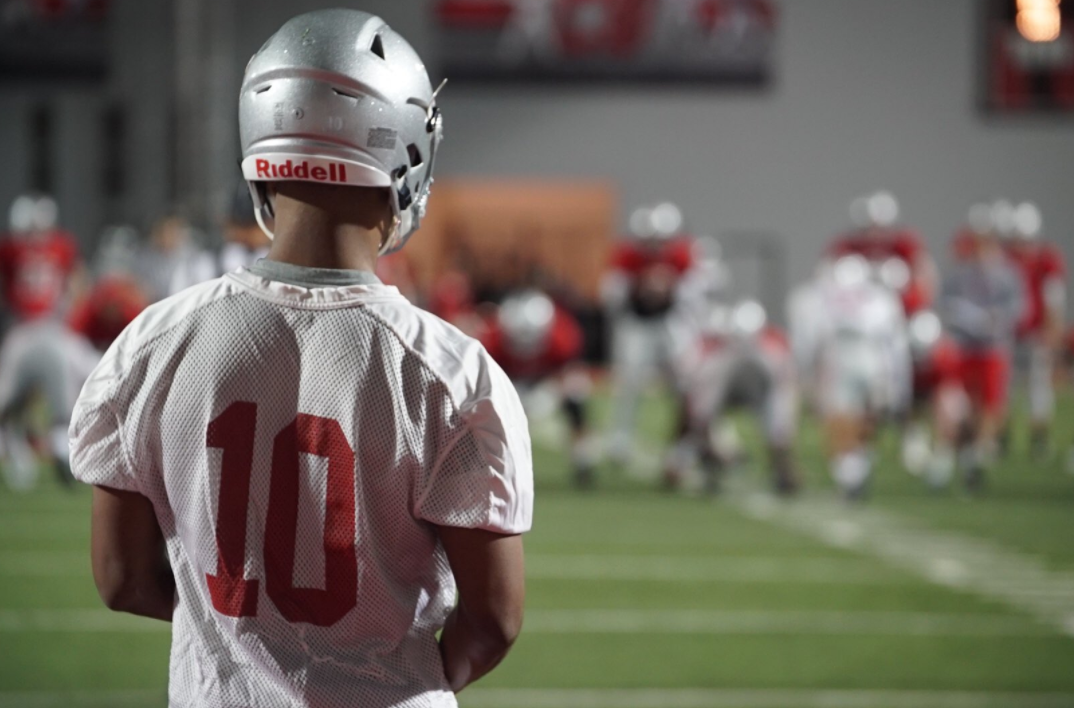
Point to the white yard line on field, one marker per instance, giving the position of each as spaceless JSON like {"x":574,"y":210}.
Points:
{"x":754,"y":698}
{"x":959,"y":561}
{"x":625,"y":621}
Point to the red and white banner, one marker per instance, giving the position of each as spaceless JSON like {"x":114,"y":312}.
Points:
{"x":694,"y":40}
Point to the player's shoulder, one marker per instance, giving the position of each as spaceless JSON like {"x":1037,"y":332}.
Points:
{"x":161,"y":317}
{"x":458,"y":360}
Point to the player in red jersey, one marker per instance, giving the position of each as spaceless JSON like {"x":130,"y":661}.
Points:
{"x":37,"y":259}
{"x":895,"y":251}
{"x":539,"y":346}
{"x":642,"y":297}
{"x":111,"y":304}
{"x":1040,"y":329}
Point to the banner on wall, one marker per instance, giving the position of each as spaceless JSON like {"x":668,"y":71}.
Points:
{"x":1029,"y":56}
{"x":708,"y":41}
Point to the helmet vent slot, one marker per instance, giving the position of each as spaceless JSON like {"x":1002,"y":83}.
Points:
{"x":262,"y":90}
{"x":415,"y":155}
{"x":345,"y":94}
{"x":378,"y":46}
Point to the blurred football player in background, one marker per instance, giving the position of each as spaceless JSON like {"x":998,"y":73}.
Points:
{"x":42,"y":363}
{"x":981,"y":306}
{"x":642,"y":296}
{"x":848,"y":334}
{"x":116,"y":297}
{"x":172,"y":260}
{"x":539,"y":345}
{"x":38,"y":260}
{"x":736,"y":360}
{"x":901,"y":263}
{"x":1040,"y":329}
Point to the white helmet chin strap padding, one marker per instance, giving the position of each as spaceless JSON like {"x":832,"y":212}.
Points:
{"x":338,"y":97}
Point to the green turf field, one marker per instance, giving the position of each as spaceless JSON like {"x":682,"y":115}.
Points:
{"x":643,"y":599}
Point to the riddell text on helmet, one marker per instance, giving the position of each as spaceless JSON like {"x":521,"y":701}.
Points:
{"x":335,"y":172}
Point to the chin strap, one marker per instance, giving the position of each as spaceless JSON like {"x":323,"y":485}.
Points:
{"x":391,"y":242}
{"x":259,"y":194}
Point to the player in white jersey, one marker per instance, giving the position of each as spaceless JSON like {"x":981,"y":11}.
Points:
{"x":306,"y":474}
{"x":848,"y":334}
{"x":737,"y":361}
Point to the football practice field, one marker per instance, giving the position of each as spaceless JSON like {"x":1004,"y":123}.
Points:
{"x":643,"y":599}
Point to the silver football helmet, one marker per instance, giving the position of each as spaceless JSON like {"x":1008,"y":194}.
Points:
{"x":338,"y":97}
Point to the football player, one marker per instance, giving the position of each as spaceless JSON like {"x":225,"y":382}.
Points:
{"x":172,"y":260}
{"x":116,"y":297}
{"x":1040,"y":330}
{"x":981,"y":307}
{"x":308,"y":476}
{"x":642,"y":297}
{"x":848,"y":334}
{"x":37,"y":260}
{"x":737,"y":360}
{"x":539,"y":345}
{"x":43,"y":364}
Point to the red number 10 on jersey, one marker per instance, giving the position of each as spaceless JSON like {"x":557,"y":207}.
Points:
{"x":234,"y":595}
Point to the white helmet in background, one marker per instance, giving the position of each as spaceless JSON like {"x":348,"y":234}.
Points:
{"x":526,"y":321}
{"x":33,"y":213}
{"x":748,"y":319}
{"x":20,"y":217}
{"x":338,"y":97}
{"x":894,"y":274}
{"x":1027,"y":221}
{"x":1003,"y":218}
{"x":925,"y":332}
{"x":46,"y":213}
{"x":877,"y":210}
{"x":850,"y":271}
{"x":667,"y":220}
{"x":641,"y":223}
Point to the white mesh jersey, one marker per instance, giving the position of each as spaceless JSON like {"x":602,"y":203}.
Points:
{"x":299,"y":445}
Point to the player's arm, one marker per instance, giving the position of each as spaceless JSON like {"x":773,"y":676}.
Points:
{"x":130,"y":563}
{"x":488,"y":569}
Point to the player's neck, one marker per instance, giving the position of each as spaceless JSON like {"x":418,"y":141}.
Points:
{"x":344,"y":247}
{"x":322,"y":230}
